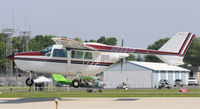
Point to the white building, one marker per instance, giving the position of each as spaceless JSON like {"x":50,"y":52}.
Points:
{"x":143,"y":74}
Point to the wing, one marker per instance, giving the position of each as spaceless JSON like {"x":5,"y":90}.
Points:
{"x":72,"y":44}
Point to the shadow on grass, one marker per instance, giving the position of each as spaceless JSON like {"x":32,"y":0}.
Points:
{"x":31,"y":100}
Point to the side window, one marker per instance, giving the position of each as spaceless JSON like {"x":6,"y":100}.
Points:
{"x":59,"y":53}
{"x":88,"y":55}
{"x":77,"y":54}
{"x":47,"y":50}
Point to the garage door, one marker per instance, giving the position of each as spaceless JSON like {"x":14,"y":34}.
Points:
{"x":134,"y":79}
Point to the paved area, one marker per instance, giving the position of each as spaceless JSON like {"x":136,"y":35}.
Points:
{"x":101,"y":103}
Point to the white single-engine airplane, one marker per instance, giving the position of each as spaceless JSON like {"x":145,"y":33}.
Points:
{"x":84,"y":59}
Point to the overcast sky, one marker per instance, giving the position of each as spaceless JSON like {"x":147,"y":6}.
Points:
{"x":140,"y":22}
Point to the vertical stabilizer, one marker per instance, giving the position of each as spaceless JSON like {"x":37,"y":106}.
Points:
{"x":179,"y":44}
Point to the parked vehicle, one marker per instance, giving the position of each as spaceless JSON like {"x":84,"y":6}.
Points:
{"x":164,"y":84}
{"x":14,"y":83}
{"x":178,"y":82}
{"x":192,"y":81}
{"x":122,"y":86}
{"x":1,"y":83}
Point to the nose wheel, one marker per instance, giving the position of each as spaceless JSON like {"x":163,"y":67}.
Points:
{"x":29,"y":82}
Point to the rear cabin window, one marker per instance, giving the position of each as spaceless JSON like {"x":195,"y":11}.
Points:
{"x":88,"y":55}
{"x":77,"y":54}
{"x":59,"y":53}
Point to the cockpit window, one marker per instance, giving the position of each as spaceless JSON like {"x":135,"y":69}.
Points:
{"x":77,"y":54}
{"x":59,"y":53}
{"x":46,"y":50}
{"x":88,"y":55}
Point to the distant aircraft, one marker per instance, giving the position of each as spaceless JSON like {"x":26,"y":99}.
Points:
{"x":87,"y":81}
{"x":71,"y":57}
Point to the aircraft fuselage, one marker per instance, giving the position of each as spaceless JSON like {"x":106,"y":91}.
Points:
{"x":56,"y":59}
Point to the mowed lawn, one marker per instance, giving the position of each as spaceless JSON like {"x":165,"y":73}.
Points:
{"x":105,"y":93}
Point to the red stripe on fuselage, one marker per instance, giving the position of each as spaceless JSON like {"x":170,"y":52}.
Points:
{"x":100,"y":47}
{"x":124,"y":50}
{"x":72,"y":61}
{"x":154,"y":52}
{"x":35,"y":53}
{"x":90,"y":62}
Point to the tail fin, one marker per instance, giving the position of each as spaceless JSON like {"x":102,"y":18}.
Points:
{"x":178,"y":44}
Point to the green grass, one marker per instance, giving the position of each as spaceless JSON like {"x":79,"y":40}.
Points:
{"x":106,"y":93}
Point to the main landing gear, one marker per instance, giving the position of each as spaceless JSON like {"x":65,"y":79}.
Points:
{"x":29,"y":82}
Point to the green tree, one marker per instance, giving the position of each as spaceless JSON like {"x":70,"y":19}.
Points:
{"x":91,"y":40}
{"x":2,"y":50}
{"x":131,"y":58}
{"x":155,"y":46}
{"x":108,"y":41}
{"x":139,"y":58}
{"x":39,"y":42}
{"x":17,"y":44}
{"x":78,"y":39}
{"x":193,"y":54}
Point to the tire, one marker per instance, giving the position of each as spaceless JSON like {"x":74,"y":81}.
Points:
{"x":29,"y":82}
{"x":76,"y":83}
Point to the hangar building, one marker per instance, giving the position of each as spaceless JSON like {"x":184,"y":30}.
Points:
{"x":143,"y":74}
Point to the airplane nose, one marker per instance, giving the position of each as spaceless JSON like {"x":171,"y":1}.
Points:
{"x":10,"y":57}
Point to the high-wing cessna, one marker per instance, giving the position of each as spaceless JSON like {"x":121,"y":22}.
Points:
{"x":84,"y":59}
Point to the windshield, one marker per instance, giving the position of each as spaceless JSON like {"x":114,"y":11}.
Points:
{"x":46,"y":50}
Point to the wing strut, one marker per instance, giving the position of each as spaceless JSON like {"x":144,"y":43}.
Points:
{"x":69,"y":60}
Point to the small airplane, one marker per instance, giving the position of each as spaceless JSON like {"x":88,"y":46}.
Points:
{"x":85,"y":82}
{"x":70,"y":57}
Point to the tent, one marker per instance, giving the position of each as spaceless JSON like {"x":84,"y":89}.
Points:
{"x":42,"y":82}
{"x":42,"y":79}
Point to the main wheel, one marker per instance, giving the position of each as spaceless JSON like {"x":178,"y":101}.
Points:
{"x":76,"y":83}
{"x":29,"y":82}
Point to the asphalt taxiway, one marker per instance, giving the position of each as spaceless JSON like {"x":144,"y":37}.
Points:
{"x":102,"y":103}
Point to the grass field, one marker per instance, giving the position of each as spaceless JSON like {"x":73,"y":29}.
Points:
{"x":105,"y":93}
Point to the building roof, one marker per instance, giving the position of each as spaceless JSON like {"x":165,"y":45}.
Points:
{"x":158,"y":66}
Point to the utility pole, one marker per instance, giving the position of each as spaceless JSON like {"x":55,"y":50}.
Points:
{"x":25,"y":40}
{"x":9,"y":64}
